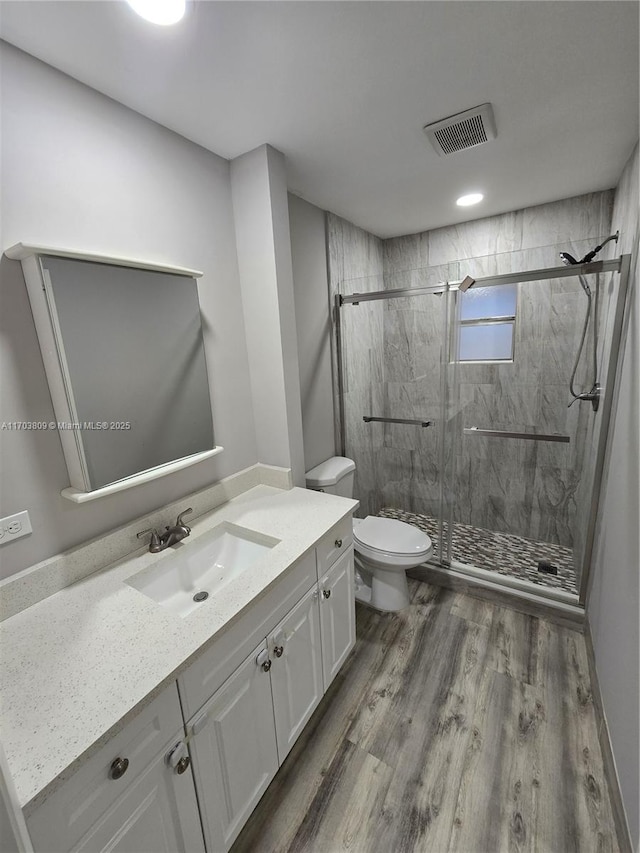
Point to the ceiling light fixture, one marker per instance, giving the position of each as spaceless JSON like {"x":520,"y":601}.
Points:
{"x":472,"y":198}
{"x":163,"y":12}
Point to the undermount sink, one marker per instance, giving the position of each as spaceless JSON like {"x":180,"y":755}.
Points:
{"x":192,"y":571}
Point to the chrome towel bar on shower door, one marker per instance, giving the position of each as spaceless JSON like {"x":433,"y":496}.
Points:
{"x":503,"y":433}
{"x":368,"y":418}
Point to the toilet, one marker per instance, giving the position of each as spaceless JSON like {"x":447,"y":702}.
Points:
{"x":384,"y":548}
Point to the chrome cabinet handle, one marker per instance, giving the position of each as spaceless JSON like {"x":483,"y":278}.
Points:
{"x":326,"y":593}
{"x":118,"y":768}
{"x":278,"y":651}
{"x":183,"y":764}
{"x":338,"y":543}
{"x":262,"y":660}
{"x":178,"y":757}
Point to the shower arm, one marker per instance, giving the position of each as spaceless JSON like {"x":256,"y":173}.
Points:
{"x":591,"y":255}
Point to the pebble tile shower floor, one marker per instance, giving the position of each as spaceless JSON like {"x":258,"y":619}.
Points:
{"x":503,"y":553}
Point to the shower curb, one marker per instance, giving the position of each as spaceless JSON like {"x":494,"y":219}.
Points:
{"x":569,"y":616}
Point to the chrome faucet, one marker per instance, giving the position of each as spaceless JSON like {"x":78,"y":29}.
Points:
{"x":170,"y":535}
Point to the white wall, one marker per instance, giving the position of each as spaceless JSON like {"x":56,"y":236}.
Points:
{"x":264,"y":257}
{"x":614,"y":603}
{"x":311,"y":290}
{"x":81,"y":171}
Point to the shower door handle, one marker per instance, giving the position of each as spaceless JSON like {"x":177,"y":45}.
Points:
{"x":415,"y":422}
{"x":528,"y":436}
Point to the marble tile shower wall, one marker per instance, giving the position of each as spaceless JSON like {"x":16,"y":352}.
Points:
{"x":394,"y":349}
{"x":355,"y":262}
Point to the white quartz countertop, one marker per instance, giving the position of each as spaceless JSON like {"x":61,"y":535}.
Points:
{"x":80,"y":664}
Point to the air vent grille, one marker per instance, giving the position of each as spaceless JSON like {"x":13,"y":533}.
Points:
{"x":465,"y":134}
{"x":464,"y":130}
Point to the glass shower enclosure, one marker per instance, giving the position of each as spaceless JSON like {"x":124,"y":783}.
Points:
{"x":454,"y":405}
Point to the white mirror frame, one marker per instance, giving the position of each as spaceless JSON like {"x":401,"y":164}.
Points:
{"x":44,"y":321}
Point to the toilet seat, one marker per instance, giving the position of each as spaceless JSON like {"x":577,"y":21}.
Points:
{"x":380,"y":538}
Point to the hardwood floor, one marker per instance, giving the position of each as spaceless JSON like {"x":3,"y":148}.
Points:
{"x":456,"y":725}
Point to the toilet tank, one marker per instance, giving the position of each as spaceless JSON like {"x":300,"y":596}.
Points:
{"x":334,"y":476}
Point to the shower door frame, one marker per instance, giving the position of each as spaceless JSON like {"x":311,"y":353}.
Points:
{"x":621,"y":265}
{"x":440,"y":289}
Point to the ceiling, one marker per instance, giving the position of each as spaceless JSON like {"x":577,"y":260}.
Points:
{"x":344,"y":89}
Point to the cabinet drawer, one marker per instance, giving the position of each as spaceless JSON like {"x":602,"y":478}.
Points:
{"x":334,"y":544}
{"x":71,"y":810}
{"x":208,"y":671}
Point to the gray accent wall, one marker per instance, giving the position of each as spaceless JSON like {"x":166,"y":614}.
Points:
{"x":82,"y":172}
{"x":614,"y":603}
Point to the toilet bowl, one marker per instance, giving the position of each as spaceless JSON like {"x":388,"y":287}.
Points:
{"x":384,"y":548}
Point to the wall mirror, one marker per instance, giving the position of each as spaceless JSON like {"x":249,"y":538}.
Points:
{"x":124,"y":355}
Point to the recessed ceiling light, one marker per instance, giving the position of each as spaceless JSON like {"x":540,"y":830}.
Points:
{"x":163,"y":12}
{"x":472,"y":198}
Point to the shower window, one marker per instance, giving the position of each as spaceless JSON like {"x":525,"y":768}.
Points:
{"x":486,"y":324}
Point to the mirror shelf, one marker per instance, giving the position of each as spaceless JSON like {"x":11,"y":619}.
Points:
{"x":79,"y":497}
{"x":23,"y":251}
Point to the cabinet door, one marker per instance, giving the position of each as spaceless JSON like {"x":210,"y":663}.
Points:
{"x":157,"y":814}
{"x":337,"y":616}
{"x":296,"y":671}
{"x":234,"y":752}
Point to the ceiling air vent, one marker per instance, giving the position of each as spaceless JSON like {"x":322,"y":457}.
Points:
{"x":463,"y":130}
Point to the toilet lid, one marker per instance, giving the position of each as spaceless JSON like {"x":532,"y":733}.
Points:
{"x":391,"y":536}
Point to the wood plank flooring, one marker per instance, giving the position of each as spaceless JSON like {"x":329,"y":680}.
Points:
{"x":456,"y":726}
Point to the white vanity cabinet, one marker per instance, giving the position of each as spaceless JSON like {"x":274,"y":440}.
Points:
{"x":130,"y":796}
{"x":245,"y":700}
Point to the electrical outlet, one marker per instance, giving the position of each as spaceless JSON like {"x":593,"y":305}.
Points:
{"x":14,"y":526}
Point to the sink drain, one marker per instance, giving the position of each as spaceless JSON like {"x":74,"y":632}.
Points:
{"x":201,"y":596}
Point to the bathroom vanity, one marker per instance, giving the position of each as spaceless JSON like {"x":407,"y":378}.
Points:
{"x":183,"y":768}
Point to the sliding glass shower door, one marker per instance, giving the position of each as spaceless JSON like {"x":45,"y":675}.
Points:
{"x":522,"y":459}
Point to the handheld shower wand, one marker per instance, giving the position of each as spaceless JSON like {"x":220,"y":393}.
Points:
{"x":594,"y":394}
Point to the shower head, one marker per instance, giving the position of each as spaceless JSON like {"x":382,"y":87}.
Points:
{"x":569,"y":260}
